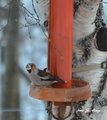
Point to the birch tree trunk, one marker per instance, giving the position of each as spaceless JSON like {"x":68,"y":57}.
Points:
{"x":86,"y":52}
{"x":11,"y":80}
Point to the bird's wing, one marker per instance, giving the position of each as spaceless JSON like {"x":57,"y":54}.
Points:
{"x":45,"y":69}
{"x":42,"y":73}
{"x":48,"y":77}
{"x":54,"y":79}
{"x":45,"y":76}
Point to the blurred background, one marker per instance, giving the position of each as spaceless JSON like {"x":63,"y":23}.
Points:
{"x":23,"y":39}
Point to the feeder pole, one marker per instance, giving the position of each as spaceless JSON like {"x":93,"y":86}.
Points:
{"x":60,"y":40}
{"x":60,"y":45}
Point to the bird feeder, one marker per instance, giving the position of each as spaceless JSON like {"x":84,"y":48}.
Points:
{"x":60,"y":58}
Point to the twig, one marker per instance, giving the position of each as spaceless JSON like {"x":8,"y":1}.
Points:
{"x":37,"y":19}
{"x":28,"y":12}
{"x":35,"y":11}
{"x":105,"y":2}
{"x":27,"y":25}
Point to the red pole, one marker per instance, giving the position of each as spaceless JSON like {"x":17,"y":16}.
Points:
{"x":60,"y":40}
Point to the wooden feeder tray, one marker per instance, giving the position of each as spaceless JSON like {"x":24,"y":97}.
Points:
{"x":80,"y":91}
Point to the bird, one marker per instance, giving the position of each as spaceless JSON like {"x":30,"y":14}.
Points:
{"x":41,"y":77}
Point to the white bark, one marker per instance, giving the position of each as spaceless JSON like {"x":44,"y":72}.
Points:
{"x":84,"y":18}
{"x":83,"y":27}
{"x":84,"y":22}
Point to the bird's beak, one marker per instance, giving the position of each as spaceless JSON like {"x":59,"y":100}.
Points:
{"x":28,"y":69}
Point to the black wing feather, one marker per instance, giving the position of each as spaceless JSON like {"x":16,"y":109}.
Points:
{"x":41,"y":73}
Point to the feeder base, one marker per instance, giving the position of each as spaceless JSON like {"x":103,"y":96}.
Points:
{"x":79,"y":92}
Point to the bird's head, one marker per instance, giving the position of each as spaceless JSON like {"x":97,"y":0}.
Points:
{"x":30,"y":67}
